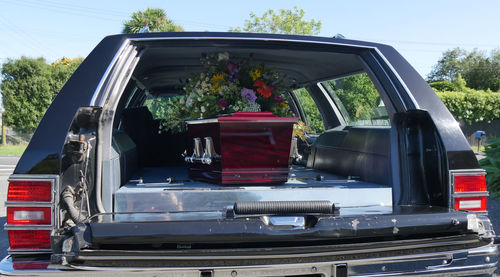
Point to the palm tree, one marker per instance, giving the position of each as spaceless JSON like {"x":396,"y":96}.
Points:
{"x":155,"y":19}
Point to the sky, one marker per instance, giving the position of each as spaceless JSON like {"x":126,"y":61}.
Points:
{"x":420,"y":30}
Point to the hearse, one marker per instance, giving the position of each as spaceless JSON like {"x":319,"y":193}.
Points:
{"x":381,"y":182}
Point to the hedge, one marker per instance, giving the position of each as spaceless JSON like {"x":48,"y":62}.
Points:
{"x":472,"y":105}
{"x":492,"y":165}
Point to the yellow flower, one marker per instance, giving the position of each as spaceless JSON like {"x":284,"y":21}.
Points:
{"x":283,"y":104}
{"x":255,"y":74}
{"x":215,"y":80}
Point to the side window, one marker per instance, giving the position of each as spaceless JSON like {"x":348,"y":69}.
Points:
{"x":156,"y":105}
{"x":311,"y":111}
{"x":358,"y":100}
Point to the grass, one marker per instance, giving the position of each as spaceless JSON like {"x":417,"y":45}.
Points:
{"x":12,"y":150}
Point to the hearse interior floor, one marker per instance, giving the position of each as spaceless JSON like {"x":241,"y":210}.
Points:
{"x":169,"y":190}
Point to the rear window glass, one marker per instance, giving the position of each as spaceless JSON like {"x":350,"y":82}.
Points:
{"x":358,"y":100}
{"x":310,"y":109}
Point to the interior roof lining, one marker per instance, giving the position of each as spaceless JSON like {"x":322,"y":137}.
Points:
{"x":164,"y":67}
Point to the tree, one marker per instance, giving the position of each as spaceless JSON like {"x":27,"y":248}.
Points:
{"x":448,"y":66}
{"x":479,"y":70}
{"x":284,"y":21}
{"x":358,"y":95}
{"x":28,"y":87}
{"x":155,"y":19}
{"x":61,"y":70}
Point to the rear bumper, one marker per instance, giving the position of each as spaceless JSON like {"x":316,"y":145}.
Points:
{"x":472,"y":262}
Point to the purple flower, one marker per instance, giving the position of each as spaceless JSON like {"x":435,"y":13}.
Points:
{"x":233,"y":75}
{"x":222,"y":104}
{"x":248,"y":94}
{"x":278,"y":99}
{"x":232,"y":67}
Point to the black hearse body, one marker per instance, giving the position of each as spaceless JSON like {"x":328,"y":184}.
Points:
{"x":408,"y":189}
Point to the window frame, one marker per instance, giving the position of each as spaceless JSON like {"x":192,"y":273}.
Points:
{"x":341,"y":112}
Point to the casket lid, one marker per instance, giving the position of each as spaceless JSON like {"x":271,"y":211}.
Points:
{"x":261,"y":117}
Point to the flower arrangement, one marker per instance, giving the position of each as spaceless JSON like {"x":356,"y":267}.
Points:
{"x":226,"y":87}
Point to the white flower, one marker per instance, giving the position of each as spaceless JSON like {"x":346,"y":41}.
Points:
{"x":182,"y":101}
{"x":203,"y":109}
{"x":223,"y":56}
{"x":189,"y":101}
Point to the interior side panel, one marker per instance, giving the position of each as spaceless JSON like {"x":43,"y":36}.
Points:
{"x":362,"y":153}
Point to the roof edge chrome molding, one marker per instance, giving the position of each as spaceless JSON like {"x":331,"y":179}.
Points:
{"x":407,"y":90}
{"x":108,"y":70}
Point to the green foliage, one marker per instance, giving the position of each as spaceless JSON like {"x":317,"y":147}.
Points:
{"x":443,"y":86}
{"x":157,"y":106}
{"x":313,"y":116}
{"x":448,"y":66}
{"x":284,"y":21}
{"x":492,"y":166}
{"x":28,"y":87}
{"x":479,"y":70}
{"x":472,"y":105}
{"x":155,"y":19}
{"x":358,"y":95}
{"x":459,"y":84}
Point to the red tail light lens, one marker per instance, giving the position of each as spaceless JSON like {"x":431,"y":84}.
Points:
{"x":470,"y":183}
{"x":469,"y":191}
{"x":29,"y":239}
{"x":30,"y":265}
{"x":28,"y":215}
{"x":29,"y":191}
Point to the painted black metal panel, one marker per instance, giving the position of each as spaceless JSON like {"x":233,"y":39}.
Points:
{"x":460,"y":155}
{"x":43,"y":155}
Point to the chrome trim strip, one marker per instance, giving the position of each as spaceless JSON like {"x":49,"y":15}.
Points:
{"x":29,"y":251}
{"x":474,"y":258}
{"x":107,"y":71}
{"x":113,"y":88}
{"x":26,"y":227}
{"x":332,"y":103}
{"x":95,"y":257}
{"x":201,"y":121}
{"x":27,"y":204}
{"x":470,"y":194}
{"x":399,"y":78}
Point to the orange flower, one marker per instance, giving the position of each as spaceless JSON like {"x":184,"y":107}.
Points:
{"x":263,"y":89}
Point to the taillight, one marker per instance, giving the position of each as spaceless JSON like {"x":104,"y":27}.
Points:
{"x":29,"y":239}
{"x":29,"y":191}
{"x":30,"y":213}
{"x":469,"y":190}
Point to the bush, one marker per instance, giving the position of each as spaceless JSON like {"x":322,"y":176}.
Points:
{"x":472,"y":105}
{"x":492,"y":165}
{"x":443,"y":86}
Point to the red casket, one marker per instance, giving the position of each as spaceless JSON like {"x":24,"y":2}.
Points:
{"x":244,"y":148}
